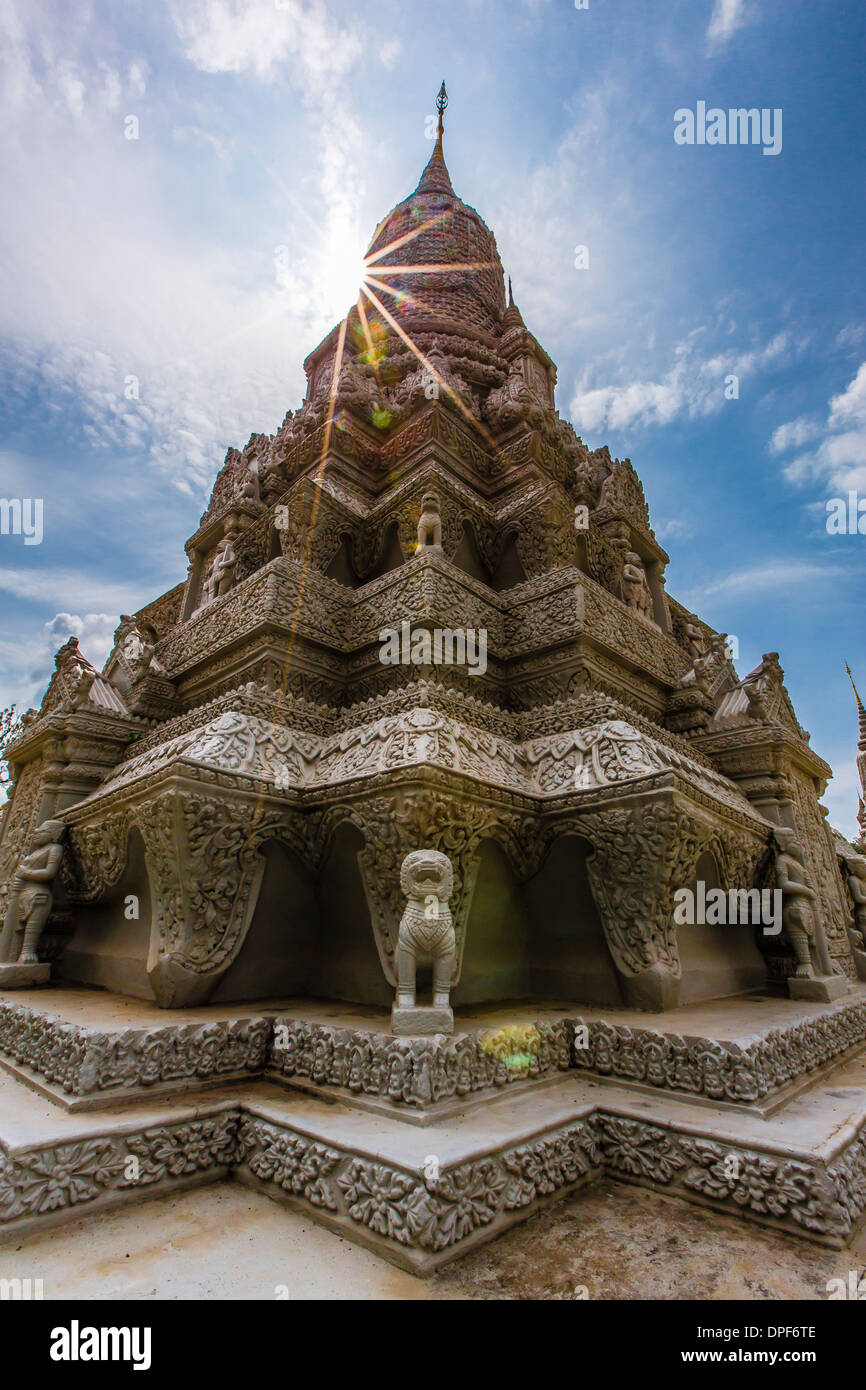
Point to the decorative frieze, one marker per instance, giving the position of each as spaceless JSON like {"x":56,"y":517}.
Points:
{"x":46,"y":1180}
{"x":418,"y":1072}
{"x":405,"y":1071}
{"x":430,"y":1211}
{"x":87,"y":1062}
{"x":718,"y":1069}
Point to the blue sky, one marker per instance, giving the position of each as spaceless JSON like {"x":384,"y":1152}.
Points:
{"x":265,"y":125}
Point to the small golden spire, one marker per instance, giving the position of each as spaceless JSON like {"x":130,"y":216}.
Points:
{"x":853,"y":686}
{"x":441,"y":103}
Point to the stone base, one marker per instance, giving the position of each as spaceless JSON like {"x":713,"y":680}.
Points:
{"x":421,"y":1197}
{"x":462,"y":1151}
{"x":823,"y":988}
{"x":14,"y":975}
{"x":421,"y":1021}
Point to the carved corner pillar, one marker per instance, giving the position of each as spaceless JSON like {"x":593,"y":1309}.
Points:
{"x":205,"y":868}
{"x":641,"y":854}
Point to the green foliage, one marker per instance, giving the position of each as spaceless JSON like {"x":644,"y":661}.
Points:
{"x":515,"y":1043}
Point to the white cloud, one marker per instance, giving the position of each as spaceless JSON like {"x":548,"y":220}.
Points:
{"x":52,"y":587}
{"x":390,"y":52}
{"x":693,"y":387}
{"x":675,"y":528}
{"x":795,"y":434}
{"x":727,"y":17}
{"x":213,"y":334}
{"x":840,"y":458}
{"x":261,"y":35}
{"x":94,"y":631}
{"x":781,"y":577}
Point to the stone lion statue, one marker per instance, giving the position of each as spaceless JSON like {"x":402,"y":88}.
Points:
{"x":429,"y":530}
{"x":426,"y":929}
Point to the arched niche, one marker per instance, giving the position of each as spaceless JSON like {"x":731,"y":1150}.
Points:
{"x":109,"y":943}
{"x":348,"y":965}
{"x":509,"y":569}
{"x":717,"y":960}
{"x":391,"y":556}
{"x":467,"y":556}
{"x":569,"y":955}
{"x":279,"y":956}
{"x":495,"y":957}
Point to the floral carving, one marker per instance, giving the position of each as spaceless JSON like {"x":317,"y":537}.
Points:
{"x":640,"y":1150}
{"x":45,"y":1180}
{"x":297,"y":1165}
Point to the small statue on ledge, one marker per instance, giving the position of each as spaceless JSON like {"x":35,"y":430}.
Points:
{"x":426,"y":935}
{"x":635,"y":590}
{"x":221,"y":574}
{"x":250,"y":488}
{"x":816,"y":975}
{"x":695,"y":641}
{"x":856,"y":871}
{"x":30,"y":900}
{"x":430,"y":523}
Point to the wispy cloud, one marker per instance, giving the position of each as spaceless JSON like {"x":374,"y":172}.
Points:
{"x":694,"y":386}
{"x":840,"y":457}
{"x":53,"y":587}
{"x":263,"y":35}
{"x":148,"y":338}
{"x":779,"y":576}
{"x":727,"y":17}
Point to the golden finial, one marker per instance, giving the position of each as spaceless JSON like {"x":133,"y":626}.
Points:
{"x":853,"y":686}
{"x":441,"y":103}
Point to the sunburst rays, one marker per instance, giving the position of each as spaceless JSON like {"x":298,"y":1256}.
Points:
{"x":370,"y":292}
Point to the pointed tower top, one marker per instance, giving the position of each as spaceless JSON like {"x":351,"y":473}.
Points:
{"x":441,"y":103}
{"x":512,"y":317}
{"x":435,"y":178}
{"x":861,"y":712}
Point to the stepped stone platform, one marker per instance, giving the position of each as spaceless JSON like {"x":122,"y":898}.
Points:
{"x":420,"y":1148}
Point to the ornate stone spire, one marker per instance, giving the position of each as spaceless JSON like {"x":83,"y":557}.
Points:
{"x":435,"y":178}
{"x":433,"y":226}
{"x":512,"y":317}
{"x":861,"y":760}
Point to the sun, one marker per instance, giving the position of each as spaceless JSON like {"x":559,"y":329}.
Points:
{"x":343,"y":271}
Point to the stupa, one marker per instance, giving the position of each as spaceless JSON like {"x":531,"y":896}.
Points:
{"x":356,"y":871}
